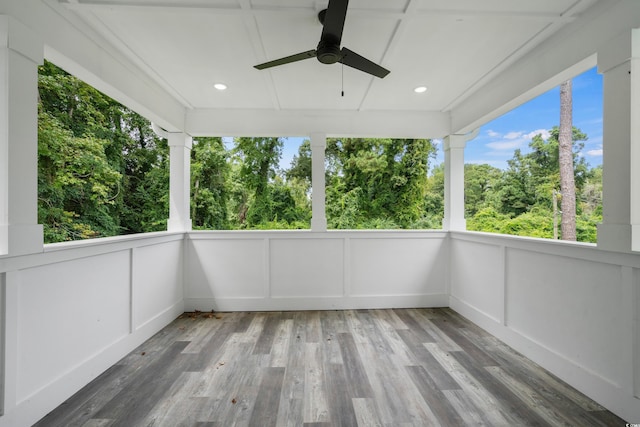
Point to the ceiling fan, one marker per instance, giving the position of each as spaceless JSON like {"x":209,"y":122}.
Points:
{"x":328,"y":50}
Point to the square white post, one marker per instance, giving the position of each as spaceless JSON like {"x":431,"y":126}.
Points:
{"x":179,"y":181}
{"x":454,"y":183}
{"x":21,"y":52}
{"x":318,"y":216}
{"x":619,"y":63}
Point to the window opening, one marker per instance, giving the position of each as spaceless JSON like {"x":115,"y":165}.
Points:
{"x":102,"y":171}
{"x":512,"y":178}
{"x":383,"y":184}
{"x":247,"y":183}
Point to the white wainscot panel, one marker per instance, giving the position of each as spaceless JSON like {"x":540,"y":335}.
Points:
{"x":157,"y":280}
{"x":573,"y":307}
{"x":307,"y":267}
{"x":68,"y":312}
{"x":399,"y":266}
{"x":477,"y":277}
{"x":226,"y":268}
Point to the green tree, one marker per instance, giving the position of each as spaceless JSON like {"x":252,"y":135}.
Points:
{"x":531,"y":178}
{"x":516,"y":191}
{"x":590,"y":195}
{"x":589,"y":206}
{"x":535,"y":223}
{"x":102,"y":171}
{"x":143,"y":159}
{"x":300,"y":168}
{"x":522,"y":197}
{"x":487,"y":219}
{"x":479,"y":183}
{"x":76,"y":184}
{"x":270,"y":200}
{"x":377,"y":181}
{"x":433,"y":200}
{"x":209,"y":184}
{"x":77,"y":107}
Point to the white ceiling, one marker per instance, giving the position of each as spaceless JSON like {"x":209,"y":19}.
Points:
{"x":449,"y":46}
{"x":183,"y":47}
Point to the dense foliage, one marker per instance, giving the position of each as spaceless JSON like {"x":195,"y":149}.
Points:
{"x":372,"y":183}
{"x":520,"y":200}
{"x":103,"y":172}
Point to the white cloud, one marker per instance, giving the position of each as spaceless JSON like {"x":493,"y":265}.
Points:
{"x":595,"y":153}
{"x":514,"y":139}
{"x":437,"y":141}
{"x":493,"y":134}
{"x":513,"y":135}
{"x":543,"y":132}
{"x":506,"y":145}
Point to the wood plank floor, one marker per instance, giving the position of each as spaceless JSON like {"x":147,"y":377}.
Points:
{"x":400,"y":368}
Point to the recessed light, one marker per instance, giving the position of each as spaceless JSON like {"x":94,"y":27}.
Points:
{"x":420,"y":89}
{"x":220,"y":86}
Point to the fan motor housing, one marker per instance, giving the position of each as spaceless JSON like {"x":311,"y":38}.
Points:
{"x":328,"y":53}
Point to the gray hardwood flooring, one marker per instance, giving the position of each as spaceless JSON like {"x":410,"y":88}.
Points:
{"x":400,"y":368}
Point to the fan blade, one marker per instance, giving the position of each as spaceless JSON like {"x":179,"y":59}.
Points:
{"x":334,"y":20}
{"x":353,"y":60}
{"x":287,"y":59}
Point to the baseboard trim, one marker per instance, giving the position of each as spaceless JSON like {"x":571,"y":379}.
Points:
{"x":316,"y":303}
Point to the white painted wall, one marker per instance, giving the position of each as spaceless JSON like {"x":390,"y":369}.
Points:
{"x":298,"y":270}
{"x":569,"y":307}
{"x":76,"y":309}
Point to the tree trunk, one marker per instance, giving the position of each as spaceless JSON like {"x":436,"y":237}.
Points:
{"x":565,"y":156}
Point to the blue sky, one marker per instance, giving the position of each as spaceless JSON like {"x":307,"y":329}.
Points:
{"x":498,"y":139}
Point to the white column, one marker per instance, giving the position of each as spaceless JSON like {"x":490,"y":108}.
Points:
{"x":179,"y":181}
{"x":619,"y":63}
{"x":318,"y":216}
{"x":20,"y":54}
{"x":454,"y":183}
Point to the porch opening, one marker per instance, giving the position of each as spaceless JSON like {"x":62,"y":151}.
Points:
{"x":512,"y":178}
{"x":102,"y":171}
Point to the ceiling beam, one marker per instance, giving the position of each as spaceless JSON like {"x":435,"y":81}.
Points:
{"x":382,"y":124}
